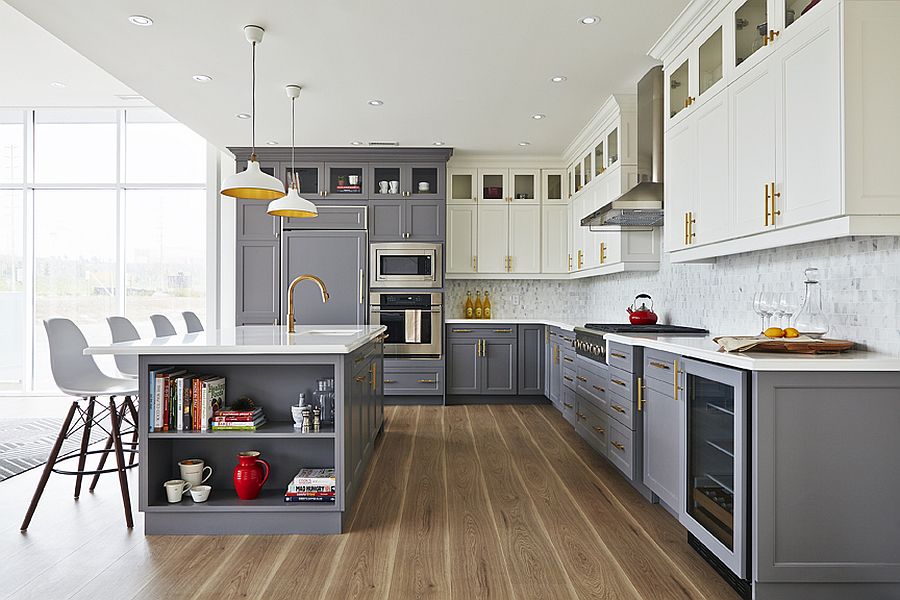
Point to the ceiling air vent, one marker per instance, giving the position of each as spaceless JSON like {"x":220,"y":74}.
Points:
{"x":384,"y":144}
{"x":129,"y":97}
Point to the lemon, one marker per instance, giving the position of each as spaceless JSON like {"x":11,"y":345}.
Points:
{"x":790,"y":332}
{"x":774,"y":332}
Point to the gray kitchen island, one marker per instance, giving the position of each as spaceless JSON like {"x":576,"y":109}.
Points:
{"x":273,"y":367}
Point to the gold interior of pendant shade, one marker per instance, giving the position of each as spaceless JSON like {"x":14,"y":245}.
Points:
{"x":297,"y":214}
{"x":252,"y":193}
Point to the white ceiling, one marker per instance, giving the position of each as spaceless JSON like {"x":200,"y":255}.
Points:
{"x":467,"y":72}
{"x":33,"y":59}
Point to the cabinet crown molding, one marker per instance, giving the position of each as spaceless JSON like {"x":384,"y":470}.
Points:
{"x":324,"y":154}
{"x":685,"y":28}
{"x":615,"y":105}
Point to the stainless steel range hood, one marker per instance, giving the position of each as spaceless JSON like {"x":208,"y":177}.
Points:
{"x":642,"y":205}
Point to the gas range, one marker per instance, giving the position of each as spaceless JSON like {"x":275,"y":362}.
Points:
{"x":590,"y":343}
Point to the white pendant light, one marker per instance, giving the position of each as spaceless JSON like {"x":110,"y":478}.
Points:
{"x":292,"y":205}
{"x":252,"y":183}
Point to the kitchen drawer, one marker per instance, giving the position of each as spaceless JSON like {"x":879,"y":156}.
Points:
{"x":331,"y":217}
{"x":424,"y":382}
{"x":567,"y":358}
{"x":621,"y":448}
{"x":620,"y":410}
{"x":620,"y":355}
{"x":481,"y":331}
{"x":593,"y":426}
{"x":620,"y":382}
{"x":591,"y":382}
{"x":659,"y":367}
{"x":567,"y":340}
{"x":568,"y":376}
{"x":569,"y":400}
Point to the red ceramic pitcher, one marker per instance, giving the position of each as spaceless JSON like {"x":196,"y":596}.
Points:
{"x":250,"y":474}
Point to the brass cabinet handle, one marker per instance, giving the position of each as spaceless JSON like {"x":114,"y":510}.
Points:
{"x":567,"y":378}
{"x":691,"y":234}
{"x":503,"y":331}
{"x":359,"y":378}
{"x":599,"y":430}
{"x":474,"y":263}
{"x":389,"y":381}
{"x":602,"y":252}
{"x":374,"y":371}
{"x":567,"y":405}
{"x":580,"y":258}
{"x":358,"y":360}
{"x":618,"y":408}
{"x":619,"y":382}
{"x":427,"y":381}
{"x":581,"y":379}
{"x":686,"y":229}
{"x":598,"y":388}
{"x":770,"y":37}
{"x":570,"y":262}
{"x":658,"y":365}
{"x":676,"y":387}
{"x":461,"y":330}
{"x":567,"y":359}
{"x":382,"y":337}
{"x":578,"y":415}
{"x":640,"y":391}
{"x":617,"y":355}
{"x":773,"y":196}
{"x":767,"y":206}
{"x":483,"y":348}
{"x":618,"y":445}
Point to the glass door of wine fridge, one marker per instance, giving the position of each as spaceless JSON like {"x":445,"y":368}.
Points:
{"x":716,"y":460}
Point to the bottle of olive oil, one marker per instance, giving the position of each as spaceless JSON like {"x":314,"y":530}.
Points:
{"x":486,"y":306}
{"x":469,"y":311}
{"x":479,"y":309}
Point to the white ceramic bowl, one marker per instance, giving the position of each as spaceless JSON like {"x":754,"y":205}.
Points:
{"x":200,"y":493}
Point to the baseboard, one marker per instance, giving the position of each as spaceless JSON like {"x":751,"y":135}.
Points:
{"x":485,"y":399}
{"x":413,"y":400}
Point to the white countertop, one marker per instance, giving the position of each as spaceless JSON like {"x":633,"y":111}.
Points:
{"x":566,"y":326}
{"x":704,"y":348}
{"x":256,"y":339}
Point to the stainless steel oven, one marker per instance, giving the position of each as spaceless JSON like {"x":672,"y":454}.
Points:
{"x":405,"y":265}
{"x":413,"y":320}
{"x":716,"y":458}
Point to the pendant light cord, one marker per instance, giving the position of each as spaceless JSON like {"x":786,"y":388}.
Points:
{"x":294,"y":179}
{"x":253,"y":101}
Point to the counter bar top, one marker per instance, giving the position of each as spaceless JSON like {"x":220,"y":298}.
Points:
{"x":253,"y":339}
{"x":495,"y":321}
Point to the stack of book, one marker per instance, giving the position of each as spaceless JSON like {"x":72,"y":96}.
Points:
{"x":182,"y":401}
{"x":238,"y":420}
{"x":311,"y":485}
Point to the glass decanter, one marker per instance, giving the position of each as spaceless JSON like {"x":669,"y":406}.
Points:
{"x":810,"y":318}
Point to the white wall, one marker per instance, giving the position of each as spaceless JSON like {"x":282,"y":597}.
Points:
{"x":860,"y":281}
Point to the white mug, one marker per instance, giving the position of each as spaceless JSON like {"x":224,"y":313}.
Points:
{"x":194,"y":471}
{"x":394,"y":187}
{"x":175,"y":489}
{"x":200,"y":493}
{"x":354,"y":179}
{"x":423,"y":186}
{"x":382,"y":187}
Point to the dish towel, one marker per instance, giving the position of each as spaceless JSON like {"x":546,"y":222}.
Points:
{"x":413,"y":326}
{"x":744,"y":343}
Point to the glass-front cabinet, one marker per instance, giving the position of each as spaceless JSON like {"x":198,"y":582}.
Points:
{"x":579,"y":182}
{"x":679,"y":88}
{"x":552,"y":188}
{"x":612,"y":147}
{"x":599,"y":159}
{"x":461,"y":186}
{"x":709,"y":61}
{"x":493,"y":185}
{"x":588,"y":168}
{"x":311,"y":178}
{"x":406,"y":181}
{"x":751,"y":29}
{"x":346,"y":180}
{"x":526,"y":186}
{"x":386,"y":181}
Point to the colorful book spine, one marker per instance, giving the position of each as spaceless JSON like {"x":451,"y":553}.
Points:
{"x":311,"y":489}
{"x":308,"y":499}
{"x":179,"y":401}
{"x":151,"y":391}
{"x":309,"y":494}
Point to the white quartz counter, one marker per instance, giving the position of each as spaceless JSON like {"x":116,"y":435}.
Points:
{"x":256,"y":339}
{"x":704,"y":348}
{"x":566,"y":326}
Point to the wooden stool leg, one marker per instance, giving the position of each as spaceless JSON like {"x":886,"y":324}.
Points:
{"x":120,"y":462}
{"x":48,"y":468}
{"x":134,"y":437}
{"x":85,"y":438}
{"x":106,"y":450}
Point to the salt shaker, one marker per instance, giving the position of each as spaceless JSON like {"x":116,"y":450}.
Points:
{"x":316,"y":418}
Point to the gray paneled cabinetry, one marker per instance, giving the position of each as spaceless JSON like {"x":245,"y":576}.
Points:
{"x":420,"y":377}
{"x":500,"y":366}
{"x":405,"y":219}
{"x":257,"y":260}
{"x":554,"y":368}
{"x":663,"y":421}
{"x":339,"y":259}
{"x":531,"y":348}
{"x":487,"y":360}
{"x":409,"y":177}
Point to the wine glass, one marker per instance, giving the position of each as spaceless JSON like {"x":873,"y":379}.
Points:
{"x":788,"y":304}
{"x":757,"y":308}
{"x":768,"y":303}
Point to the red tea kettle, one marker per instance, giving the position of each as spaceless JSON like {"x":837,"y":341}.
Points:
{"x":642,"y":315}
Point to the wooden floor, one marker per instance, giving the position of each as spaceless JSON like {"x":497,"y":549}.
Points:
{"x":460,"y":502}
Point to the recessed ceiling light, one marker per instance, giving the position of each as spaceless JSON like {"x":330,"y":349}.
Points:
{"x":356,"y":143}
{"x":271,"y":143}
{"x":538,"y":116}
{"x":202,"y":78}
{"x":589,"y":20}
{"x":558,"y":78}
{"x":523,"y":144}
{"x":376,"y":102}
{"x":242,"y":116}
{"x":57,"y":84}
{"x":140,"y":20}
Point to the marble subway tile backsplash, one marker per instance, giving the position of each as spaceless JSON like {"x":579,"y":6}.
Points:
{"x":860,"y":287}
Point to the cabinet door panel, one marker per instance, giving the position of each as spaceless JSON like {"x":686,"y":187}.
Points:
{"x":461,"y":186}
{"x":461,"y":238}
{"x":525,"y":238}
{"x":712,"y":206}
{"x":662,"y":449}
{"x":256,"y":302}
{"x":431,"y":174}
{"x":681,"y":161}
{"x":499,"y":367}
{"x":424,"y":220}
{"x":493,"y":186}
{"x":493,"y":238}
{"x":531,"y":349}
{"x":810,"y":166}
{"x":752,"y":106}
{"x":554,"y":373}
{"x":387,"y":222}
{"x":554,"y":230}
{"x":339,"y":258}
{"x":253,"y":222}
{"x":463,"y":366}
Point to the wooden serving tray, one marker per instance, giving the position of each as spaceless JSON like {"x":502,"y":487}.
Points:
{"x":799,"y":347}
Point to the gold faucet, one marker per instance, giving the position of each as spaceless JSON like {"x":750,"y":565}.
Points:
{"x":319,"y":282}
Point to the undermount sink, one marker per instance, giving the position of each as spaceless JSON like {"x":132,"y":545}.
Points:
{"x":334,"y":332}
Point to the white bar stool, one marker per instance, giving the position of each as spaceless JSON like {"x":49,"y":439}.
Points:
{"x":78,"y":375}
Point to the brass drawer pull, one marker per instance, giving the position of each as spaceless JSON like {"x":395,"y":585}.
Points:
{"x":503,"y":331}
{"x":658,"y":365}
{"x":578,"y":415}
{"x":461,"y":330}
{"x":619,"y":382}
{"x":617,"y":355}
{"x":567,"y":359}
{"x":599,"y":430}
{"x":359,"y":360}
{"x":360,"y":378}
{"x":618,"y":445}
{"x":428,"y":381}
{"x":567,"y":378}
{"x":581,"y":379}
{"x":390,"y":381}
{"x":567,"y":405}
{"x":598,"y":388}
{"x":618,"y":408}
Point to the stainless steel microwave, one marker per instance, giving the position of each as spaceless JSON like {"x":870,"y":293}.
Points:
{"x":405,"y":265}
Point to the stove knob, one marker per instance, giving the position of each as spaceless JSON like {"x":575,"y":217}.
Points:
{"x":595,"y":349}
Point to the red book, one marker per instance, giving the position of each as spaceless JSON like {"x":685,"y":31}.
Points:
{"x":236,"y":413}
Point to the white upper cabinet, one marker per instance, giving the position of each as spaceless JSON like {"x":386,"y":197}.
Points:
{"x":811,"y":135}
{"x":526,"y":186}
{"x":554,"y":242}
{"x":461,"y":186}
{"x":462,"y":231}
{"x":553,"y":186}
{"x":493,"y":238}
{"x":524,"y":239}
{"x":493,"y":186}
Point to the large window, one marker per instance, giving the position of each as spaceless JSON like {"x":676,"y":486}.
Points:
{"x":113,"y":205}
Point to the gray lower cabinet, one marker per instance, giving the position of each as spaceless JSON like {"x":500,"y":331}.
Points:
{"x":463,"y":365}
{"x":413,"y":377}
{"x":257,"y":259}
{"x":482,"y":360}
{"x":554,"y":370}
{"x":499,"y":373}
{"x":403,"y":219}
{"x":662,"y":420}
{"x":531,"y":349}
{"x":339,"y":258}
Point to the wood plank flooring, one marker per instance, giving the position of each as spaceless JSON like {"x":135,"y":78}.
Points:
{"x":460,"y":502}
